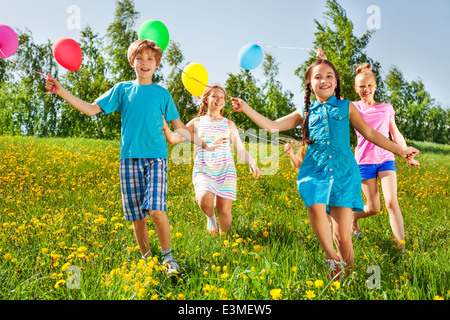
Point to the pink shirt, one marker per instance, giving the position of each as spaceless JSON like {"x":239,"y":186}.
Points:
{"x":378,"y":118}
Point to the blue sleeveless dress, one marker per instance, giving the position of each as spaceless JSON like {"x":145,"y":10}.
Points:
{"x":329,"y":173}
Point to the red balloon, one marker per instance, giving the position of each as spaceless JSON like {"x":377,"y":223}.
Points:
{"x":68,"y":53}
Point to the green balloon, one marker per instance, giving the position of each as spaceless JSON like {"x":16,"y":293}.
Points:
{"x":154,"y":30}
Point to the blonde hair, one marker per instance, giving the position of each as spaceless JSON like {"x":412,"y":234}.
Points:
{"x":204,"y":104}
{"x":140,"y":46}
{"x":365,"y":69}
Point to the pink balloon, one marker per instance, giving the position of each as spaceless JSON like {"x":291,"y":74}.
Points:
{"x":8,"y":41}
{"x":68,"y":53}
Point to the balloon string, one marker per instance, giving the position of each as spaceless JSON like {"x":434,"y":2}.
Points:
{"x":294,"y":48}
{"x":192,"y":78}
{"x":18,"y":64}
{"x":221,"y":92}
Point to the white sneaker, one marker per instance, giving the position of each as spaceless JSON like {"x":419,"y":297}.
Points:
{"x":172,"y":267}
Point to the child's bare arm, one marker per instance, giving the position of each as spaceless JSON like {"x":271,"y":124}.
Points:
{"x":171,"y":137}
{"x":188,"y":133}
{"x":377,"y":138}
{"x":242,"y":152}
{"x":88,"y":109}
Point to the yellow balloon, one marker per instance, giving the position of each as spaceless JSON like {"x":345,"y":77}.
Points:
{"x":195,"y":78}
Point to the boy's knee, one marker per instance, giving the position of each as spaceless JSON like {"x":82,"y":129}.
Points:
{"x":139,"y":223}
{"x":157,"y":215}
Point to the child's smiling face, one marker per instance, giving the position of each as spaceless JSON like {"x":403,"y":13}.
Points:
{"x":323,"y":82}
{"x":216,"y":100}
{"x":145,"y":65}
{"x":365,"y":86}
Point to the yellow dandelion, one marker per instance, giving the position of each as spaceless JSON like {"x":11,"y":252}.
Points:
{"x":310,"y":283}
{"x":309,"y":294}
{"x":318,"y":283}
{"x":335,"y":285}
{"x":275,"y":294}
{"x":59,"y":283}
{"x":178,"y":235}
{"x":438,"y":298}
{"x":224,"y":276}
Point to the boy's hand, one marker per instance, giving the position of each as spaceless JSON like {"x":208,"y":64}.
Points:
{"x":52,"y":85}
{"x":216,"y":143}
{"x":254,"y":169}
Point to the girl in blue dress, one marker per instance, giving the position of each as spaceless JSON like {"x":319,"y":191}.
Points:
{"x":329,"y":175}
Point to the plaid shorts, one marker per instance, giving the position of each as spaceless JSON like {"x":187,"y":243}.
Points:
{"x":143,"y":183}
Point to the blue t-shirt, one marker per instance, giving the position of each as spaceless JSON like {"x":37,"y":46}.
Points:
{"x":141,"y":108}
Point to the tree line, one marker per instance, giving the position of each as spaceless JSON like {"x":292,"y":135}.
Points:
{"x":25,"y":108}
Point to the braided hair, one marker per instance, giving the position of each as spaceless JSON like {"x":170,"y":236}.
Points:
{"x":308,"y":91}
{"x":204,"y":104}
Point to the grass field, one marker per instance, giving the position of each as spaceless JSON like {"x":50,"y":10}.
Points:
{"x":63,"y":236}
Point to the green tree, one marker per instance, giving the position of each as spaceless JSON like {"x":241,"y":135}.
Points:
{"x":88,"y":83}
{"x":245,"y":86}
{"x":28,"y":110}
{"x":344,"y":49}
{"x":278,"y":103}
{"x":187,"y":108}
{"x":417,"y":115}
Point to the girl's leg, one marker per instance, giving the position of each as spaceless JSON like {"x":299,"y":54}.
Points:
{"x":342,"y":219}
{"x":370,"y":190}
{"x":205,"y":200}
{"x":223,"y":207}
{"x":321,"y":226}
{"x":388,"y":180}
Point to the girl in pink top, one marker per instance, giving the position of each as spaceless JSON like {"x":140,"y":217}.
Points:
{"x":375,"y":162}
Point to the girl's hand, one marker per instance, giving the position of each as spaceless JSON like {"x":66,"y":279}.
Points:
{"x":239,"y":105}
{"x":320,"y":55}
{"x":288,"y":149}
{"x":413,"y":163}
{"x":409,"y":153}
{"x":255,"y":170}
{"x":52,"y":85}
{"x":215,"y":144}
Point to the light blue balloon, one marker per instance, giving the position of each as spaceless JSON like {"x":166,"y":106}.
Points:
{"x":250,"y":56}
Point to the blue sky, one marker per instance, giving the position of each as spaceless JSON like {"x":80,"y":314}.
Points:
{"x":413,"y":35}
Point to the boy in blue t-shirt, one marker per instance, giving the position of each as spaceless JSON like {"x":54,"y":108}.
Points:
{"x":143,"y":156}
